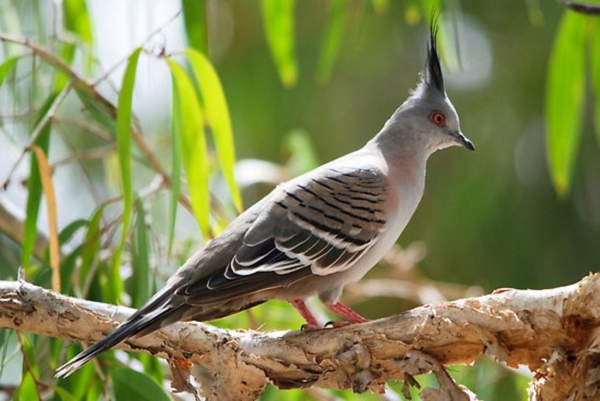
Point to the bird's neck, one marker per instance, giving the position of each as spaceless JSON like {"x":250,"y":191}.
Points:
{"x":404,"y":153}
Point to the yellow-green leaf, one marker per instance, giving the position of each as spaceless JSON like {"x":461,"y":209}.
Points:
{"x":77,"y":19}
{"x":278,"y":19}
{"x":115,"y":288}
{"x":7,"y":67}
{"x":333,"y":38}
{"x":595,"y":26}
{"x":191,"y":118}
{"x":381,"y":6}
{"x":176,"y":156}
{"x":303,"y":156}
{"x":564,"y":99}
{"x":63,"y":394}
{"x":91,"y":249}
{"x":28,"y":389}
{"x":140,"y":280}
{"x":217,"y":114}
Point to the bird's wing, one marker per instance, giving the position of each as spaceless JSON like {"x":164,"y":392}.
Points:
{"x":318,"y":224}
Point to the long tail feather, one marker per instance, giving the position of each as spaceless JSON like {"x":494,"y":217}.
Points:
{"x":122,"y":332}
{"x":160,"y":311}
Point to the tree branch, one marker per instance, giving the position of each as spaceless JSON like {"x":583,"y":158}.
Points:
{"x":554,"y":332}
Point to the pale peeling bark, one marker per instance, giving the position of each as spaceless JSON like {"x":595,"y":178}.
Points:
{"x":554,"y":332}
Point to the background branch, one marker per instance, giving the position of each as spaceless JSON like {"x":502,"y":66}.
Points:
{"x":554,"y":332}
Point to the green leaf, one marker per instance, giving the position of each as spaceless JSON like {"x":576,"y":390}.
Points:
{"x":6,"y":67}
{"x":77,"y":20}
{"x":333,"y":38}
{"x":303,"y":155}
{"x":191,"y":120}
{"x":217,"y":113}
{"x":177,"y":154}
{"x":67,"y":54}
{"x":194,"y":18}
{"x":67,"y":232}
{"x":63,"y":394}
{"x":29,"y":352}
{"x":432,"y":8}
{"x":381,"y":6}
{"x":152,"y":367}
{"x":278,"y":16}
{"x":91,"y":247}
{"x":115,"y":286}
{"x":141,"y":265}
{"x":596,"y":73}
{"x":564,"y":100}
{"x":34,"y":185}
{"x":67,"y":267}
{"x":27,"y":391}
{"x":67,"y":263}
{"x":98,"y":111}
{"x":129,"y":384}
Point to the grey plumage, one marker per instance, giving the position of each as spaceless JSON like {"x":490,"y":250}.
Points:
{"x":314,"y":234}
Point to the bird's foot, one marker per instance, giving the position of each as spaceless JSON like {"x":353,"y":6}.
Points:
{"x":311,"y":320}
{"x":346,"y":312}
{"x":335,"y":325}
{"x":310,"y":327}
{"x":337,"y":307}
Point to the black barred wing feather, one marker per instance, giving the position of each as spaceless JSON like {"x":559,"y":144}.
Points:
{"x":324,"y":223}
{"x":317,"y":224}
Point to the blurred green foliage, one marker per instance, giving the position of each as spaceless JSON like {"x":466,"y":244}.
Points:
{"x":295,"y":83}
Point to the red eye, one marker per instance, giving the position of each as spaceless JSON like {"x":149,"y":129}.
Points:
{"x":438,"y":118}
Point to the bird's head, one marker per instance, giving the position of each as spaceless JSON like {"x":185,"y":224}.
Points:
{"x":428,"y":118}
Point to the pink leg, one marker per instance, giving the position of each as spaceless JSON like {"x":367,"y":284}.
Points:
{"x":345,"y":312}
{"x":301,"y":307}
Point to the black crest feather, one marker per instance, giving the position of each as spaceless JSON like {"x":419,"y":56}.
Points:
{"x":433,"y":71}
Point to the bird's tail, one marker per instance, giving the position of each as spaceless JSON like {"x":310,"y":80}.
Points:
{"x":160,"y":311}
{"x":125,"y":330}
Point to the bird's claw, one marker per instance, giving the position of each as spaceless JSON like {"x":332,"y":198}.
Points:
{"x":310,"y":327}
{"x":335,"y":325}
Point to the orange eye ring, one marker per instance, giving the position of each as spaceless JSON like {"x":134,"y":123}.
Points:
{"x":438,"y":118}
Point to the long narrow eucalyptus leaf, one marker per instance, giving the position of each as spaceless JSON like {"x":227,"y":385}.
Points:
{"x":595,"y":46}
{"x":77,"y":20}
{"x":564,"y":100}
{"x":191,"y":123}
{"x":278,"y":17}
{"x":176,"y":162}
{"x":91,"y":249}
{"x":140,"y":259}
{"x":7,"y":66}
{"x":217,"y":113}
{"x":115,"y":285}
{"x":333,"y":38}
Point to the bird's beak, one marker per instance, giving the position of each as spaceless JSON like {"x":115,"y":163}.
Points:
{"x":463,"y":140}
